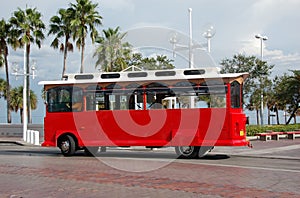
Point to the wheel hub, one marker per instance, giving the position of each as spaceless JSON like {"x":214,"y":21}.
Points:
{"x":186,"y":149}
{"x":65,"y":146}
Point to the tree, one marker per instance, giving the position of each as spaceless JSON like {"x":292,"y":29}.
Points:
{"x":28,"y":27}
{"x":276,"y":99}
{"x":5,"y":39}
{"x":294,"y":87}
{"x":16,"y":103}
{"x":159,"y":62}
{"x":256,"y":83}
{"x":111,"y":52}
{"x":60,"y":25}
{"x":288,"y":93}
{"x":269,"y":99}
{"x":2,"y":87}
{"x":86,"y":18}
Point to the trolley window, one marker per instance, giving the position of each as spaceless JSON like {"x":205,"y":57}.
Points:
{"x":64,"y":99}
{"x":235,"y":91}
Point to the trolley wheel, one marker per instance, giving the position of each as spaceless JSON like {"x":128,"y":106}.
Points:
{"x":91,"y":150}
{"x":103,"y":149}
{"x":67,"y":145}
{"x":204,"y":150}
{"x":187,"y":152}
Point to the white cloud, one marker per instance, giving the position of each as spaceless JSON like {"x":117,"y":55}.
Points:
{"x":282,"y":61}
{"x":118,"y":4}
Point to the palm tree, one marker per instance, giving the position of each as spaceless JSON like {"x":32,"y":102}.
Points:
{"x":85,"y":18}
{"x":60,"y":25}
{"x":2,"y":87}
{"x":29,"y":27}
{"x":5,"y":38}
{"x":16,"y":103}
{"x":111,"y":52}
{"x":293,"y":89}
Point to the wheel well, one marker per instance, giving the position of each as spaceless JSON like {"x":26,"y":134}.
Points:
{"x":60,"y":138}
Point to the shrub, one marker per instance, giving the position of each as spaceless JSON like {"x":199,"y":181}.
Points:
{"x":254,"y":129}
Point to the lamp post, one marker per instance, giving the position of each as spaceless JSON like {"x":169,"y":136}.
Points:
{"x":208,"y":34}
{"x":25,"y":74}
{"x":191,"y":54}
{"x":262,"y":39}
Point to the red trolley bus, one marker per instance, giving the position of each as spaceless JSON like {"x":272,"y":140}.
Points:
{"x":192,"y":110}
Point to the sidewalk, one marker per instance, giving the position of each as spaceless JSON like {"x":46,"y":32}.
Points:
{"x":14,"y":140}
{"x":281,"y":149}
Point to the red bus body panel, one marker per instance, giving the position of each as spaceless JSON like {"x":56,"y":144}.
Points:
{"x":165,"y":127}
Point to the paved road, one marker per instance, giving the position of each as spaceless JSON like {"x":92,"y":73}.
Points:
{"x":270,"y":169}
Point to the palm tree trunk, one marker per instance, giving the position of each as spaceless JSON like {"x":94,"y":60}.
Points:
{"x":293,"y":114}
{"x":82,"y":54}
{"x":257,"y":117}
{"x":277,"y":116}
{"x":7,"y":89}
{"x":269,"y":116}
{"x":65,"y":57}
{"x":28,"y":83}
{"x":21,"y":115}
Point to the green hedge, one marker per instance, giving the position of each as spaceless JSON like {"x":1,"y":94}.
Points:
{"x":254,"y":129}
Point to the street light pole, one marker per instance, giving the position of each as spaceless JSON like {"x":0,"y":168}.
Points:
{"x":25,"y":74}
{"x":25,"y":118}
{"x":191,"y":54}
{"x":209,"y":33}
{"x":262,"y":39}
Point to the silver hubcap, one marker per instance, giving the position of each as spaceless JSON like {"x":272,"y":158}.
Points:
{"x":186,"y":150}
{"x":65,"y":146}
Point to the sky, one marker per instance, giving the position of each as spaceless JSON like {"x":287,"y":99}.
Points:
{"x":151,"y":24}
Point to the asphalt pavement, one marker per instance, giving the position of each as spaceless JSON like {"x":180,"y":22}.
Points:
{"x":268,"y":169}
{"x":282,"y":149}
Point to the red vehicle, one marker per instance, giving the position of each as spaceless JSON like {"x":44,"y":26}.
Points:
{"x":192,"y":110}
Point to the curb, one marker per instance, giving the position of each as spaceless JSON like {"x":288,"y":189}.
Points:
{"x":16,"y":142}
{"x":12,"y":142}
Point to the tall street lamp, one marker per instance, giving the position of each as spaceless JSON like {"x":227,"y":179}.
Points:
{"x":208,"y":34}
{"x":25,"y":74}
{"x":262,"y":39}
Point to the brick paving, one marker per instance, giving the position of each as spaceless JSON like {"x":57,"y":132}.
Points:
{"x":91,"y":178}
{"x":41,"y":172}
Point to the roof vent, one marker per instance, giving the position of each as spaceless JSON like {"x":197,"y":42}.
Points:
{"x":137,"y":74}
{"x":165,"y":73}
{"x":112,"y":75}
{"x":84,"y":76}
{"x":194,"y":72}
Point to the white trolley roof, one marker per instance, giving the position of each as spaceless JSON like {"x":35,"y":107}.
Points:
{"x":150,"y":75}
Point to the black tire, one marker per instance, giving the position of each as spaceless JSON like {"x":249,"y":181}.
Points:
{"x":204,"y":150}
{"x":91,"y":150}
{"x":67,"y":145}
{"x":103,"y":149}
{"x":187,"y":152}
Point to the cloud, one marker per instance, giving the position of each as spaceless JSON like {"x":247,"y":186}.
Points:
{"x":282,"y":61}
{"x":118,"y":4}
